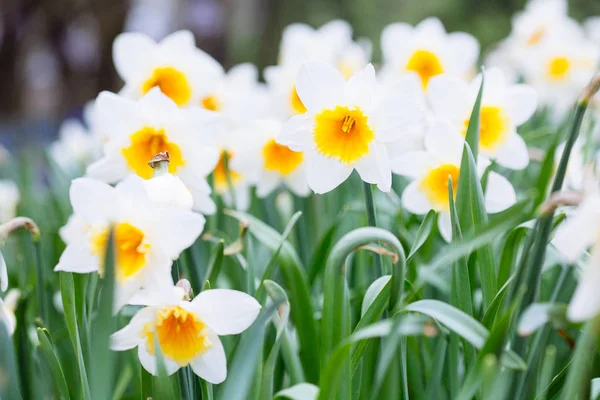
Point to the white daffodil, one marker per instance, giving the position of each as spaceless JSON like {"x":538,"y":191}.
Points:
{"x":174,"y":65}
{"x":559,"y":70}
{"x":503,"y":108}
{"x":237,"y":95}
{"x":281,"y":83}
{"x":187,"y":331}
{"x":147,"y":237}
{"x":138,"y":130}
{"x":573,"y":237}
{"x":76,"y":147}
{"x":7,"y":310}
{"x":346,"y":126}
{"x":301,"y":42}
{"x":426,"y":50}
{"x":430,"y":170}
{"x":271,"y":163}
{"x":9,"y":199}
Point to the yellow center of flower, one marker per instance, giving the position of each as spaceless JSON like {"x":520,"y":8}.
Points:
{"x":130,"y":249}
{"x":558,"y":68}
{"x":536,"y":36}
{"x":435,"y":185}
{"x":145,"y":144}
{"x":211,"y":103}
{"x":181,"y":334}
{"x":171,"y":82}
{"x":426,"y":64}
{"x":343,"y":133}
{"x":280,"y":158}
{"x":220,"y":172}
{"x":493,"y":127}
{"x":296,"y":103}
{"x":346,"y":70}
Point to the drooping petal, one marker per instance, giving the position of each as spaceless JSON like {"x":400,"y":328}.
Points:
{"x":499,"y":194}
{"x":325,"y":174}
{"x":212,"y":365}
{"x":131,"y":335}
{"x":319,"y":85}
{"x":225,"y":311}
{"x":414,"y":200}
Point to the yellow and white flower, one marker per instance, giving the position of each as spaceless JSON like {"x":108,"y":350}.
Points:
{"x":346,"y":126}
{"x":429,"y":171}
{"x":572,"y":238}
{"x":174,"y":65}
{"x":504,"y":107}
{"x":271,"y":163}
{"x":147,"y":237}
{"x":426,"y":50}
{"x":9,"y":199}
{"x":7,"y":310}
{"x":187,"y":331}
{"x":138,"y":130}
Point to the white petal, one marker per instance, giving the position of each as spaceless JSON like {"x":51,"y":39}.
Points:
{"x":319,"y":85}
{"x":131,"y":54}
{"x":242,"y":197}
{"x":413,"y":164}
{"x":169,"y":191}
{"x":393,"y":38}
{"x":268,"y":182}
{"x":297,"y":133}
{"x":444,"y":140}
{"x":585,"y":302}
{"x":445,"y":225}
{"x":78,"y":258}
{"x":110,"y":169}
{"x":375,"y":167}
{"x":499,"y":194}
{"x":3,"y":274}
{"x":297,"y":183}
{"x":94,"y":201}
{"x":177,"y":229}
{"x":579,"y":231}
{"x":465,"y":48}
{"x":325,"y":174}
{"x":414,"y":200}
{"x":396,"y":117}
{"x":513,"y":153}
{"x":361,"y":87}
{"x":521,"y":102}
{"x":74,"y":229}
{"x":149,"y":361}
{"x":212,"y":365}
{"x":449,"y":97}
{"x":180,"y":41}
{"x":131,"y":335}
{"x":227,"y":312}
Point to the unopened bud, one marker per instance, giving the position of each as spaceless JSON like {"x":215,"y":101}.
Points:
{"x":160,"y":163}
{"x":20,"y":223}
{"x":187,"y":288}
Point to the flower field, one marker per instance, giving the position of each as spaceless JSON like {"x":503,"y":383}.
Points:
{"x":424,"y":225}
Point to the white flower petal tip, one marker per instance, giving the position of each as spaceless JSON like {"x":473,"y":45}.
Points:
{"x":227,"y":312}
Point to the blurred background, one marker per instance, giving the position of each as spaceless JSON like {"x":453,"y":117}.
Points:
{"x":55,"y":55}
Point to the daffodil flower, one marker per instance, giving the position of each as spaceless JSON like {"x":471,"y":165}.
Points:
{"x":573,"y":237}
{"x":504,"y":107}
{"x":187,"y":331}
{"x":174,"y":65}
{"x":7,"y":310}
{"x":76,"y":147}
{"x":426,"y":50}
{"x":147,"y":238}
{"x":346,"y":126}
{"x":138,"y":130}
{"x":269,"y":163}
{"x":430,"y":169}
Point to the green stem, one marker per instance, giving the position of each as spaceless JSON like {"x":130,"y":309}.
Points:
{"x":372,"y":221}
{"x":41,"y":283}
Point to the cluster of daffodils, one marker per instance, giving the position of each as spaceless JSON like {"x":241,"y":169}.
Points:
{"x":550,"y":51}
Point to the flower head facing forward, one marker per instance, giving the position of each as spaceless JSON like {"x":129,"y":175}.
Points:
{"x":430,"y":170}
{"x":138,"y":130}
{"x":503,"y":108}
{"x":147,"y":237}
{"x":174,"y":65}
{"x":346,"y":126}
{"x":187,"y":331}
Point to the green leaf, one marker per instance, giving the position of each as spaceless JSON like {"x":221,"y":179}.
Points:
{"x":9,"y":385}
{"x":423,"y":233}
{"x":49,"y":353}
{"x":472,"y":136}
{"x":373,"y":292}
{"x":463,"y":325}
{"x":302,"y":313}
{"x":321,"y":253}
{"x":301,"y":391}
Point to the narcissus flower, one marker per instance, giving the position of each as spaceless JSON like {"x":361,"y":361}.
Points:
{"x":231,"y":183}
{"x":503,"y":108}
{"x":426,"y":50}
{"x":174,"y":65}
{"x":7,"y":310}
{"x":187,"y":331}
{"x":271,"y":163}
{"x":138,"y":130}
{"x":147,"y":238}
{"x":76,"y":147}
{"x":572,"y":238}
{"x":346,"y":126}
{"x":430,"y":169}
